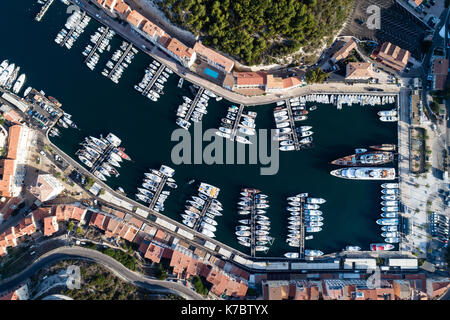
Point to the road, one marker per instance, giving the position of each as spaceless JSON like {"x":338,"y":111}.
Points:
{"x":114,"y":266}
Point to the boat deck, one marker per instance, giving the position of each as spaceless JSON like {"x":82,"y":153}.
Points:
{"x":153,"y":80}
{"x":97,"y":44}
{"x":194,"y":103}
{"x":44,"y":10}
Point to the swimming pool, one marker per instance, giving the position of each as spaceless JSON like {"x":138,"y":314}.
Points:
{"x":211,"y":73}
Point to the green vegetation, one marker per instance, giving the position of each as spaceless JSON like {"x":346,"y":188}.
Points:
{"x":316,"y":76}
{"x":89,"y":182}
{"x":199,"y":285}
{"x":124,"y":258}
{"x":79,"y":230}
{"x":160,"y":272}
{"x":434,"y":107}
{"x":253,"y":31}
{"x":70,"y":226}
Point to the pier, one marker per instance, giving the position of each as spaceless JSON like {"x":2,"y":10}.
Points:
{"x":158,"y":191}
{"x":292,"y":125}
{"x":97,"y":44}
{"x":253,"y":228}
{"x":206,"y":206}
{"x":98,"y":162}
{"x":71,"y":31}
{"x":153,"y":80}
{"x":301,"y":249}
{"x":113,"y":70}
{"x":44,"y":10}
{"x":194,"y":103}
{"x":236,"y":122}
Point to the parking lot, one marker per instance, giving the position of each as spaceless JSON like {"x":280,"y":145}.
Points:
{"x":397,"y":25}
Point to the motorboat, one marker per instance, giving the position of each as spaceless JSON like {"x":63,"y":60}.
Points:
{"x":390,"y":191}
{"x":313,"y":253}
{"x":389,"y":203}
{"x":380,"y":247}
{"x":392,"y":234}
{"x":388,"y":221}
{"x":315,"y":200}
{"x":389,"y":209}
{"x":352,"y":248}
{"x":392,"y":240}
{"x":390,"y":185}
{"x":389,"y":215}
{"x":389,"y":228}
{"x":365,"y":173}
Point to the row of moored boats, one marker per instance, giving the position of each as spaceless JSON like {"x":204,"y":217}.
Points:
{"x":102,"y":155}
{"x":187,"y":111}
{"x":390,"y":216}
{"x":254,"y":231}
{"x":74,"y":27}
{"x":151,"y":192}
{"x":10,"y":78}
{"x":245,"y":127}
{"x":149,"y":86}
{"x":202,"y":210}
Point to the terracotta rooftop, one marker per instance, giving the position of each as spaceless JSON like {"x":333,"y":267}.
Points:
{"x":13,"y":141}
{"x":135,"y":18}
{"x":394,"y":56}
{"x":179,"y":49}
{"x":359,"y":70}
{"x":213,"y":56}
{"x":250,"y":78}
{"x":50,"y":226}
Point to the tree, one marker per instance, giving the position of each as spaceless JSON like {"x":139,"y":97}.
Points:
{"x":70,"y":226}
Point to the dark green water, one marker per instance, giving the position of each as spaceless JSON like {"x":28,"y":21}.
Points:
{"x":99,"y":106}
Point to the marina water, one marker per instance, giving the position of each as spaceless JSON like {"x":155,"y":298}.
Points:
{"x":100,"y":106}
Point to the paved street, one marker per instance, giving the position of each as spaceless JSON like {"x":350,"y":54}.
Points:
{"x":117,"y":268}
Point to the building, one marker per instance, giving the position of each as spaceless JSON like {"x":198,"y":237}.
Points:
{"x":69,"y":212}
{"x":250,"y":79}
{"x":213,"y":58}
{"x":415,"y":3}
{"x":50,"y":226}
{"x":12,"y":168}
{"x":135,"y":19}
{"x":46,"y":187}
{"x":345,"y":48}
{"x":359,"y":71}
{"x":10,"y":114}
{"x":274,"y":84}
{"x":177,"y":50}
{"x":439,"y":73}
{"x":20,"y":293}
{"x":437,"y":287}
{"x":152,"y":32}
{"x":393,"y":56}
